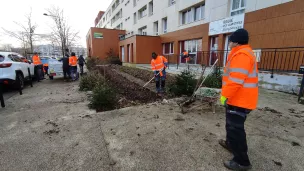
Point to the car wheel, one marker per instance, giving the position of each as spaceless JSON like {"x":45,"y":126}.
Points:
{"x":19,"y":81}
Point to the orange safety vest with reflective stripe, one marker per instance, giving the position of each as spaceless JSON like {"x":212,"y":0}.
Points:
{"x":240,"y":78}
{"x":36,"y":60}
{"x":73,"y":61}
{"x":159,"y":63}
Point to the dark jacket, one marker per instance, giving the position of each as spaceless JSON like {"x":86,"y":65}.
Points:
{"x":65,"y":63}
{"x":81,"y":60}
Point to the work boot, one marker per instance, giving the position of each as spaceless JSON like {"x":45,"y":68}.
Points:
{"x":224,"y":144}
{"x":232,"y":165}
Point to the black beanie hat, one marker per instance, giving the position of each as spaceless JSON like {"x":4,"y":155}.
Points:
{"x":240,"y":36}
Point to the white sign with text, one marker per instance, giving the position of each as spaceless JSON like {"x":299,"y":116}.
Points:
{"x":226,"y":25}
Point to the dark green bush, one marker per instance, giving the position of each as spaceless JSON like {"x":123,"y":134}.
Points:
{"x":103,"y":98}
{"x":89,"y":81}
{"x":113,"y":58}
{"x":92,"y":62}
{"x":184,"y":84}
{"x":214,"y":80}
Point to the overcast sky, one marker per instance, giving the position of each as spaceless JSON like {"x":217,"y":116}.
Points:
{"x":80,"y":14}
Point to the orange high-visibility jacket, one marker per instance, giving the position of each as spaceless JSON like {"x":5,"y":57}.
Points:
{"x":73,"y":61}
{"x":46,"y":64}
{"x":186,"y":54}
{"x":36,"y":60}
{"x":240,"y":78}
{"x":159,"y":63}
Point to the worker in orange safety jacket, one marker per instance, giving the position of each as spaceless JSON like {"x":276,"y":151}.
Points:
{"x":46,"y":68}
{"x":239,"y":96}
{"x":73,"y":66}
{"x":159,"y":65}
{"x":38,"y":67}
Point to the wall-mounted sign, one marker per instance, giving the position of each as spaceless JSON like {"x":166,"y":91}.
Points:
{"x":98,"y":35}
{"x":226,"y":25}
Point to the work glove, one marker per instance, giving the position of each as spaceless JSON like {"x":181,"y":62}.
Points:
{"x":155,"y":73}
{"x":223,"y":101}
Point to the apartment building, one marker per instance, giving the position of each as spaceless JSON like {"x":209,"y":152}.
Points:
{"x":170,"y":27}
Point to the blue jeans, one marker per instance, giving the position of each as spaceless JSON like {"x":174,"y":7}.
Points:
{"x":160,"y":81}
{"x":73,"y":72}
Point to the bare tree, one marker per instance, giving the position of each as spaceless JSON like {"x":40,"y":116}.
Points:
{"x":6,"y":47}
{"x":62,"y":32}
{"x":25,"y":34}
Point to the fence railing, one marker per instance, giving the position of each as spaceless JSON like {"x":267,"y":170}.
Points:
{"x":273,"y":59}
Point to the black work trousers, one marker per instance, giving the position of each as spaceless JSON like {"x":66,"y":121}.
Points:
{"x":236,"y":135}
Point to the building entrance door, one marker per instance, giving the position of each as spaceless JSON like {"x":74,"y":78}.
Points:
{"x":213,"y":50}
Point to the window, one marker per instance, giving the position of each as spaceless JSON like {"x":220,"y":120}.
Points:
{"x":142,"y":12}
{"x":109,"y":14}
{"x":195,"y":13}
{"x":155,"y":25}
{"x":143,"y":30}
{"x":14,"y":58}
{"x":119,"y":26}
{"x":150,"y":8}
{"x":199,"y":13}
{"x":165,"y":24}
{"x":191,"y":46}
{"x":186,"y":17}
{"x":115,"y":5}
{"x":134,"y":3}
{"x":135,"y":19}
{"x":171,"y":2}
{"x":1,"y":58}
{"x":168,"y":48}
{"x":237,"y":7}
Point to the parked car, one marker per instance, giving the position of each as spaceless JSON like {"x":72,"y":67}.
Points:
{"x":55,"y":68}
{"x":14,"y":69}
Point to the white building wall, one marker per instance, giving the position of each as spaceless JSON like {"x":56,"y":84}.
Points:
{"x":253,"y":5}
{"x":214,"y":10}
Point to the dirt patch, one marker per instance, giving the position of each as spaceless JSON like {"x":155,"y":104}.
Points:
{"x":51,"y":132}
{"x":277,"y":163}
{"x":142,"y":74}
{"x":268,"y":109}
{"x":87,"y":116}
{"x":51,"y":123}
{"x":127,"y":89}
{"x":295,"y":144}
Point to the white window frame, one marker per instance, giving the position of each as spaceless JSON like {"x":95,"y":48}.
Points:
{"x":165,"y":30}
{"x":151,"y":9}
{"x":201,"y":13}
{"x":142,"y":12}
{"x":171,"y":47}
{"x":240,"y":8}
{"x":155,"y":28}
{"x":187,"y":15}
{"x":135,"y":18}
{"x":143,"y":30}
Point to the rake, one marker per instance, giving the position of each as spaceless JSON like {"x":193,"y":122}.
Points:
{"x":192,"y":98}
